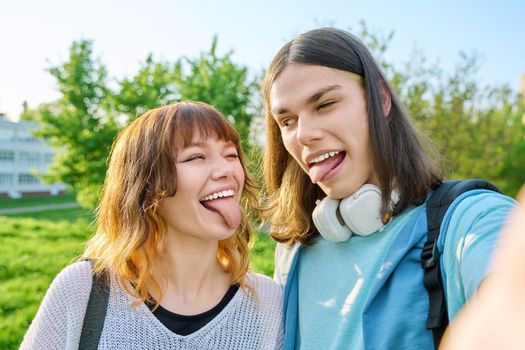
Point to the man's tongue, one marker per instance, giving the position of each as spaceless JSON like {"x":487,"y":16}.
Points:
{"x":319,"y":170}
{"x":228,"y":208}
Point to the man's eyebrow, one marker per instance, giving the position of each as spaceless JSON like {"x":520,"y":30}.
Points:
{"x":316,"y":96}
{"x":312,"y":99}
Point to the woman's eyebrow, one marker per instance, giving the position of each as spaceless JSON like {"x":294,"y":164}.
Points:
{"x":196,"y":144}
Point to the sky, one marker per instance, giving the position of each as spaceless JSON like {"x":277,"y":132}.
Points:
{"x":35,"y":35}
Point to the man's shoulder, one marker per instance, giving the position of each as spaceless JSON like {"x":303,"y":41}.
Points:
{"x":285,"y":255}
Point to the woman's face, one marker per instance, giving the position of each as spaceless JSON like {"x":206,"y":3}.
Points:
{"x":321,"y":113}
{"x":210,"y":181}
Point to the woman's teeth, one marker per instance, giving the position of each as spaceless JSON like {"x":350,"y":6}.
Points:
{"x":222,"y":194}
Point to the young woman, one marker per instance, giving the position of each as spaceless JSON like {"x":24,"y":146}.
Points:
{"x":174,"y":241}
{"x":343,"y":159}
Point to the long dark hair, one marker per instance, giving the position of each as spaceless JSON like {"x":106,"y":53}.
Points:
{"x":402,"y":157}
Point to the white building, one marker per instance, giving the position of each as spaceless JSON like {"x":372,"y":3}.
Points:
{"x":21,"y":155}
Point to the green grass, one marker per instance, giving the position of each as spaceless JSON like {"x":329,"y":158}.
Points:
{"x":32,"y":252}
{"x":34,"y":201}
{"x":34,"y":247}
{"x":66,"y":214}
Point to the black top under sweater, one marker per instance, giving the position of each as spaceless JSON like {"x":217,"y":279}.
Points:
{"x":184,"y":325}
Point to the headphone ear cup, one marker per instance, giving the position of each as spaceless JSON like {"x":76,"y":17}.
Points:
{"x":327,"y":223}
{"x":361,"y":211}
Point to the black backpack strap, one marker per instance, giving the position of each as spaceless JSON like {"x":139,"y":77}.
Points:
{"x":437,"y":206}
{"x":95,"y":312}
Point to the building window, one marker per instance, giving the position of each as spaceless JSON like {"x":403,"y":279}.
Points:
{"x":6,"y":179}
{"x":7,"y":134}
{"x":27,"y":179}
{"x":29,"y":157}
{"x":7,"y":156}
{"x":26,"y":136}
{"x":48,"y":158}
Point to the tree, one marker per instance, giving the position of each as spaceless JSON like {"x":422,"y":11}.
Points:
{"x":29,"y":114}
{"x":479,"y":130}
{"x":153,"y":86}
{"x":82,"y":124}
{"x":217,"y":80}
{"x":78,"y":124}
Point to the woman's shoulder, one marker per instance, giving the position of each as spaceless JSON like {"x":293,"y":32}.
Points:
{"x":264,"y":285}
{"x":73,"y":283}
{"x":59,"y":318}
{"x":75,"y":275}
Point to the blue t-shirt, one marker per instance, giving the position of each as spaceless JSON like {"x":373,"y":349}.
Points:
{"x":335,"y":279}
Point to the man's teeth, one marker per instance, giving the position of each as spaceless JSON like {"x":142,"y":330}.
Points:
{"x":323,"y":157}
{"x":222,"y":194}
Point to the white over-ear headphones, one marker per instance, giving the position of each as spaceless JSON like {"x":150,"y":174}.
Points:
{"x":359,"y":213}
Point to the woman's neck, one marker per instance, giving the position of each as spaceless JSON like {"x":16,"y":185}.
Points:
{"x":191,"y":279}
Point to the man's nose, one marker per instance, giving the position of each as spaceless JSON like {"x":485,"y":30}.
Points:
{"x":308,"y":131}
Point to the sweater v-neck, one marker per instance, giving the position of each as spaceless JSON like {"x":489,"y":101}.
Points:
{"x":187,"y":324}
{"x":216,"y":321}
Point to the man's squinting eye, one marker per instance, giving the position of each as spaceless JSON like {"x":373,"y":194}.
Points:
{"x":285,"y":122}
{"x":325,"y":105}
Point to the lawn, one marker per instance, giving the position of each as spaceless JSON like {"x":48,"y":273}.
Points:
{"x":34,"y":247}
{"x":6,"y":203}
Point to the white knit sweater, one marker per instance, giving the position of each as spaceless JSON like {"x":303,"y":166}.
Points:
{"x":243,"y":324}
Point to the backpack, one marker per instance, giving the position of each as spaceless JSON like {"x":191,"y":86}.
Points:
{"x":437,"y":321}
{"x":437,"y":206}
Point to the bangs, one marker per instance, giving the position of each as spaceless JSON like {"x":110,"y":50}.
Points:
{"x":195,"y":118}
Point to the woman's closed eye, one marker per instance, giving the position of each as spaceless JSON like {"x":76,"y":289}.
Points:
{"x":233,"y":155}
{"x":194,"y":157}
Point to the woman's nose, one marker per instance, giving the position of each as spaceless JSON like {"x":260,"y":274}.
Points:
{"x":222,"y":168}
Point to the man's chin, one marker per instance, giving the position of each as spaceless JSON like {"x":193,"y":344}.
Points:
{"x":336,"y":193}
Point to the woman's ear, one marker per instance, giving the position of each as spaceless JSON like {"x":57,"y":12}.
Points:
{"x":386,"y":99}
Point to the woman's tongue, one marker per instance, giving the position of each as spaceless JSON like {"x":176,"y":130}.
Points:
{"x":228,"y":208}
{"x":319,"y":170}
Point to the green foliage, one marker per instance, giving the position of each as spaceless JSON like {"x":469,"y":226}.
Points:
{"x":29,"y":114}
{"x":78,"y":125}
{"x":479,"y":130}
{"x":83,"y":123}
{"x":262,"y":254}
{"x":218,"y":81}
{"x":151,"y":87}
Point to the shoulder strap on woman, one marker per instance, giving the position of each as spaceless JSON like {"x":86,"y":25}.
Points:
{"x":95,"y":312}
